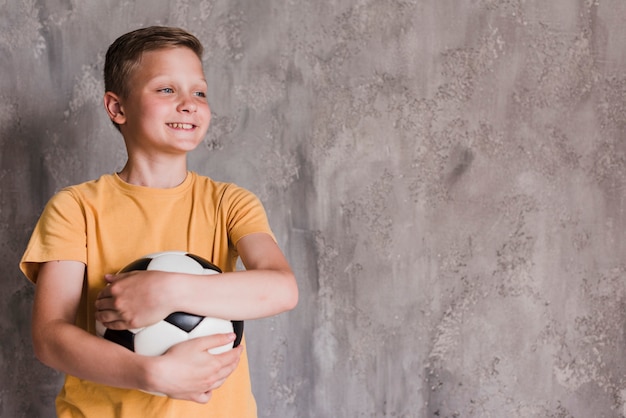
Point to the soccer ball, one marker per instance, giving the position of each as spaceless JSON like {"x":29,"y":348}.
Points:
{"x":156,"y":339}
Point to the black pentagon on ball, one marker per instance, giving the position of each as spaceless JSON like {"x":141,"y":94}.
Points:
{"x":140,"y":264}
{"x":124,"y":338}
{"x":187,"y":322}
{"x":183,"y":320}
{"x":204,"y":262}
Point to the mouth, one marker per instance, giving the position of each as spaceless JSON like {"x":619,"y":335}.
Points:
{"x":185,"y":126}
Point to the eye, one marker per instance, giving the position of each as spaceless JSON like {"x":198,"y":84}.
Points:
{"x":167,"y":90}
{"x":200,"y":94}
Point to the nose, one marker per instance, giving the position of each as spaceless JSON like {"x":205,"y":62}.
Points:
{"x":187,"y":105}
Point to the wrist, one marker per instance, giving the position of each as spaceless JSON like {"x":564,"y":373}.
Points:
{"x":173,"y":294}
{"x":150,"y":373}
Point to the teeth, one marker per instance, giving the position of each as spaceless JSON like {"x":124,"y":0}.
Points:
{"x":181,"y":125}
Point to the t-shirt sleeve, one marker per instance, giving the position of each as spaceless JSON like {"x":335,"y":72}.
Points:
{"x":58,"y":235}
{"x":245,"y":214}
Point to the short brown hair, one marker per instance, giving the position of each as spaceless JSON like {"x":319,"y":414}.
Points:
{"x":125,"y":53}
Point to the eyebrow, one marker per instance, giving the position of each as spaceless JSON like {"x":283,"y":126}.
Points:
{"x":166,"y":76}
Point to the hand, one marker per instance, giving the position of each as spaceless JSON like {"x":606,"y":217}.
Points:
{"x":188,"y":371}
{"x":133,"y":300}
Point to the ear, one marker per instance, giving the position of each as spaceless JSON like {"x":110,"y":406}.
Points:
{"x":113,"y":106}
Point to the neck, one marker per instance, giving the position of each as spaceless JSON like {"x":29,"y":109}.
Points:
{"x":164,"y":175}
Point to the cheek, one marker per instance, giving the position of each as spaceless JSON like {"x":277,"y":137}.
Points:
{"x":206,"y":112}
{"x":154,"y":112}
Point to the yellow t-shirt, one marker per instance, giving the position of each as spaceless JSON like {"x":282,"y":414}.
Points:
{"x":106,"y":224}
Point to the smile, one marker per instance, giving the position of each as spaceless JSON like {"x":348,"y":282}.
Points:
{"x":181,"y":125}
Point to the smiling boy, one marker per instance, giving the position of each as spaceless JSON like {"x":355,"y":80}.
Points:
{"x":156,"y":97}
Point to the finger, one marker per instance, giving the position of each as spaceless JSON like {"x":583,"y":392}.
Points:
{"x":107,"y":315}
{"x":115,"y":325}
{"x":110,"y":278}
{"x":221,"y":374}
{"x":218,"y":384}
{"x":203,"y":397}
{"x":104,"y":293}
{"x":229,"y":360}
{"x":104,"y":303}
{"x":231,"y":355}
{"x":213,"y":341}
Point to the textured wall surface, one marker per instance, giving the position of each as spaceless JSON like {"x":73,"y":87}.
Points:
{"x":447,"y":178}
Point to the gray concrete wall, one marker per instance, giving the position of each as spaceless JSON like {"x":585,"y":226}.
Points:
{"x":447,"y":178}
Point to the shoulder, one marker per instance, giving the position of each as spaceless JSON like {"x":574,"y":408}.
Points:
{"x":82,"y":194}
{"x":89,"y":187}
{"x":222,"y":191}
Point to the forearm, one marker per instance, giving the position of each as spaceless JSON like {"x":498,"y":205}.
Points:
{"x":186,"y":371}
{"x":71,"y":350}
{"x":238,"y":295}
{"x":267,"y":287}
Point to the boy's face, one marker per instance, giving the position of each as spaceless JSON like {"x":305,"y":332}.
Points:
{"x":166,"y":110}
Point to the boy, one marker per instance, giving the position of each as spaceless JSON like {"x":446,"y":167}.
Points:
{"x":156,"y":97}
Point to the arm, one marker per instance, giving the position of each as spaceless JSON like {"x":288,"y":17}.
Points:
{"x":191,"y":371}
{"x":267,"y":287}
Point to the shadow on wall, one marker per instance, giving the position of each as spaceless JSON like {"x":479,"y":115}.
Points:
{"x":26,"y":185}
